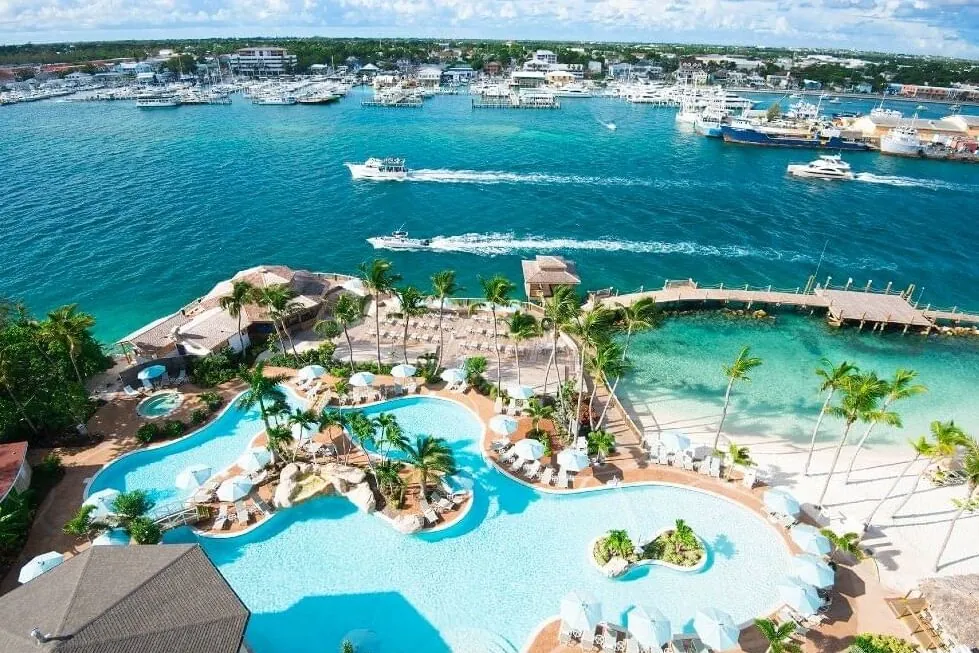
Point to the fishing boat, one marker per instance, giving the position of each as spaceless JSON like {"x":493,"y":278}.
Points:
{"x":809,"y":138}
{"x":157,"y":102}
{"x":902,"y":140}
{"x":375,"y":169}
{"x":398,"y":240}
{"x":318,"y":98}
{"x":827,"y":166}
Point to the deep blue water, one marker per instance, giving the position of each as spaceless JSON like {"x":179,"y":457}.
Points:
{"x":133,"y":213}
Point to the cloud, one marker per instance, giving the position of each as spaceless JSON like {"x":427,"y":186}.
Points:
{"x":948,"y":27}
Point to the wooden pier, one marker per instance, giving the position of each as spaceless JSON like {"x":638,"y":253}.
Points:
{"x":878,"y":309}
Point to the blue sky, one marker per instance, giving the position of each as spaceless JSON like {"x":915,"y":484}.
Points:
{"x":943,"y":27}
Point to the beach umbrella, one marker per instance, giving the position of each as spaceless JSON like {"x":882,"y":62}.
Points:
{"x":453,"y":375}
{"x":522,"y":392}
{"x":40,"y":564}
{"x":503,"y":424}
{"x":114,"y":537}
{"x":675,"y":441}
{"x":355,"y":286}
{"x":650,"y":627}
{"x":572,"y":460}
{"x":800,"y":597}
{"x":810,"y":539}
{"x":193,"y":477}
{"x":716,"y":629}
{"x":311,"y":372}
{"x":254,"y":459}
{"x":102,"y":500}
{"x":813,"y":570}
{"x":362,"y":379}
{"x":403,"y":371}
{"x":236,"y":487}
{"x":581,"y":611}
{"x":779,"y":501}
{"x":529,"y":449}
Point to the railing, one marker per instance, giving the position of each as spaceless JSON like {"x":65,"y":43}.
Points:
{"x":178,"y":514}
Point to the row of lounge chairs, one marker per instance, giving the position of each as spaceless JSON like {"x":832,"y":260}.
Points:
{"x":532,"y":469}
{"x":604,"y":638}
{"x":239,"y":513}
{"x":180,"y":379}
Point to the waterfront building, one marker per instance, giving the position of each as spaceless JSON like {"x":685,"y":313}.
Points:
{"x":594,"y":67}
{"x":459,"y":73}
{"x":528,"y":78}
{"x":559,"y":78}
{"x":368,"y":71}
{"x":542,"y":274}
{"x":430,"y":77}
{"x":15,"y":472}
{"x":541,"y":60}
{"x":262,"y":62}
{"x":492,"y":68}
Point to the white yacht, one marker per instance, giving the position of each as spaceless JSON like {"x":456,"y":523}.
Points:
{"x":571,"y":90}
{"x":398,"y":240}
{"x":709,"y":122}
{"x":827,"y":166}
{"x":375,"y":169}
{"x":274,"y":100}
{"x":902,"y":140}
{"x":157,"y":101}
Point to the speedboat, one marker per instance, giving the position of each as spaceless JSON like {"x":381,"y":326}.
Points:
{"x":375,"y":169}
{"x":827,"y":166}
{"x":398,"y":240}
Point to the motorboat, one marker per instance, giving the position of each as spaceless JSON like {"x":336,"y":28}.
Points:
{"x":274,"y":100}
{"x":399,"y":240}
{"x":902,"y":141}
{"x":157,"y":101}
{"x":389,"y":169}
{"x":827,"y":166}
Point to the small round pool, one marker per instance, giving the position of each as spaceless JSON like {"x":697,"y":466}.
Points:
{"x":160,"y":404}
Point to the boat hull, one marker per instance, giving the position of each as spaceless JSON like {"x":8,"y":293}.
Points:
{"x":898,"y":148}
{"x":361,"y":171}
{"x":754,"y":137}
{"x":803,"y":172}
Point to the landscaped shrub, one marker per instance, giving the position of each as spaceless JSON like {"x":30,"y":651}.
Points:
{"x":874,"y":643}
{"x":212,"y":400}
{"x":144,"y":531}
{"x":199,"y":415}
{"x":173,"y":428}
{"x":678,"y":546}
{"x":148,"y":432}
{"x":215,"y":368}
{"x":322,"y":355}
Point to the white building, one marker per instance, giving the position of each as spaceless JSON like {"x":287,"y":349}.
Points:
{"x":541,"y":60}
{"x":595,"y":67}
{"x":262,"y":62}
{"x":430,"y":77}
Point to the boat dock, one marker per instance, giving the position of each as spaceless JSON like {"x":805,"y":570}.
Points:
{"x":400,"y":104}
{"x":864,"y":306}
{"x":505,"y":103}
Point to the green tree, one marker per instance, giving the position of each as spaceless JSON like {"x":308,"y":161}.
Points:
{"x":234,"y":303}
{"x":130,"y":505}
{"x":605,"y":364}
{"x":537,"y":411}
{"x":970,"y":467}
{"x":70,"y":327}
{"x":277,"y":441}
{"x":773,"y":112}
{"x":591,"y":328}
{"x":389,"y":480}
{"x":430,"y":455}
{"x":332,"y":418}
{"x":737,"y":456}
{"x":520,"y":327}
{"x":277,"y":298}
{"x":304,"y":419}
{"x":618,"y":543}
{"x":412,"y":305}
{"x":736,"y":371}
{"x":559,"y":311}
{"x":144,"y":531}
{"x":262,"y":391}
{"x":15,"y":521}
{"x":84,"y":525}
{"x":641,"y":315}
{"x":392,"y":437}
{"x":361,"y":430}
{"x":601,"y":443}
{"x":778,"y":636}
{"x":348,"y":310}
{"x":378,"y":279}
{"x":832,"y":380}
{"x":496,"y":292}
{"x":444,"y":286}
{"x":847,"y":544}
{"x":8,"y":380}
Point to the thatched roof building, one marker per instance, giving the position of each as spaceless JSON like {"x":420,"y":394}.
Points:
{"x":954,"y":603}
{"x":544,"y":273}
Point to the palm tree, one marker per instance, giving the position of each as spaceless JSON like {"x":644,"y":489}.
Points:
{"x":538,"y":410}
{"x":900,"y":387}
{"x":81,"y":525}
{"x":331,"y":417}
{"x":860,"y":402}
{"x":7,"y":382}
{"x":606,"y":363}
{"x":388,"y":474}
{"x":346,"y":311}
{"x":241,"y":295}
{"x":520,"y":327}
{"x":635,"y":317}
{"x":592,"y":329}
{"x":429,"y":455}
{"x":276,"y":298}
{"x":262,"y":390}
{"x":496,"y":292}
{"x":363,"y":433}
{"x":832,"y":380}
{"x":277,"y":440}
{"x":683,"y":536}
{"x":412,"y":305}
{"x":948,"y":438}
{"x":970,"y":467}
{"x":848,"y":544}
{"x":378,"y":279}
{"x":443,"y":286}
{"x":739,"y":456}
{"x":778,"y":636}
{"x":559,"y":310}
{"x":392,"y":436}
{"x":68,"y":326}
{"x":618,"y":543}
{"x":601,"y":443}
{"x":304,"y":419}
{"x":737,"y":371}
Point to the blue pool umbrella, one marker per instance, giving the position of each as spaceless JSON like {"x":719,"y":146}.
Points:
{"x":457,"y":483}
{"x":716,"y":629}
{"x":810,"y":539}
{"x":581,"y":611}
{"x":813,"y":570}
{"x":453,"y":375}
{"x":40,"y":564}
{"x":521,"y":392}
{"x":193,"y":477}
{"x":254,"y":459}
{"x":572,"y":461}
{"x":529,"y":449}
{"x":151,"y":373}
{"x":800,"y":597}
{"x":236,"y":487}
{"x":311,"y":372}
{"x":362,"y":379}
{"x":650,"y":627}
{"x":781,"y":502}
{"x":675,"y":441}
{"x":503,"y":424}
{"x":102,"y":500}
{"x":114,"y":537}
{"x":403,"y":371}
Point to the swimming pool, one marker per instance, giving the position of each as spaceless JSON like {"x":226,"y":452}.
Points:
{"x":217,"y":444}
{"x":322,"y":569}
{"x":160,"y":404}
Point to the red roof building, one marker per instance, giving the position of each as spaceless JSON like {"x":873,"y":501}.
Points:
{"x":15,"y":473}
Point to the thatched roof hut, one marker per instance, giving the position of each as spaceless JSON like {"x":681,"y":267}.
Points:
{"x":954,"y":603}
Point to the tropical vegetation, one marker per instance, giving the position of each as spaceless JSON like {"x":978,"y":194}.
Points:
{"x":736,"y":371}
{"x":778,"y":636}
{"x":874,"y":643}
{"x":679,"y":546}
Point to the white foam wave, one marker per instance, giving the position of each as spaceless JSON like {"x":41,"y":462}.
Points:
{"x":906,"y":182}
{"x":445,"y":176}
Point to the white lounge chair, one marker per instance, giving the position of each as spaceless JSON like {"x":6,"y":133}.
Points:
{"x":632,"y":646}
{"x":430,"y":515}
{"x":241,"y":514}
{"x":444,"y":503}
{"x":130,"y":392}
{"x":687,"y":462}
{"x":705,"y":465}
{"x":221,"y":521}
{"x":533,"y":469}
{"x":663,"y":457}
{"x":508,"y":455}
{"x":547,"y":476}
{"x":588,"y":640}
{"x":563,"y":480}
{"x":517,"y":464}
{"x":715,"y":467}
{"x":748,"y":480}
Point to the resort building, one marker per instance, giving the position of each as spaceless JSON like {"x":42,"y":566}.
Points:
{"x":528,"y":78}
{"x":541,"y":60}
{"x":15,"y":472}
{"x":492,"y":68}
{"x":458,"y":74}
{"x":544,"y":273}
{"x":430,"y":77}
{"x":559,"y":78}
{"x":262,"y":62}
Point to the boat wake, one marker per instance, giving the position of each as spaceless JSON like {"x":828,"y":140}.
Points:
{"x":500,"y":177}
{"x":908,"y":182}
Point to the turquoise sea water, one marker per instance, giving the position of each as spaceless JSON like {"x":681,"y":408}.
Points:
{"x":321,"y":570}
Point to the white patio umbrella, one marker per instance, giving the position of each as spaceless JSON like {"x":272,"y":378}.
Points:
{"x":650,"y":627}
{"x":813,"y":570}
{"x":522,"y":392}
{"x":800,"y":597}
{"x":675,"y":441}
{"x":362,"y":379}
{"x":529,"y":449}
{"x":453,"y":375}
{"x":236,"y":487}
{"x":572,"y":461}
{"x":40,"y":564}
{"x":716,"y":629}
{"x":311,"y":372}
{"x":102,"y":500}
{"x":581,"y":611}
{"x":810,"y":539}
{"x":780,"y":501}
{"x":403,"y":371}
{"x":503,"y":424}
{"x":193,"y":477}
{"x":254,"y":459}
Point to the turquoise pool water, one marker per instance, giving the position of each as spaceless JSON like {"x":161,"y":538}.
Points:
{"x":217,"y":444}
{"x":322,"y":569}
{"x":159,"y":405}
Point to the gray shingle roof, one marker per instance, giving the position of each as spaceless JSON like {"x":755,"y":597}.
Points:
{"x":114,"y":599}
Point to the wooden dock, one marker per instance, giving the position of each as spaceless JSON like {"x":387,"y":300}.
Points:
{"x":859,"y":306}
